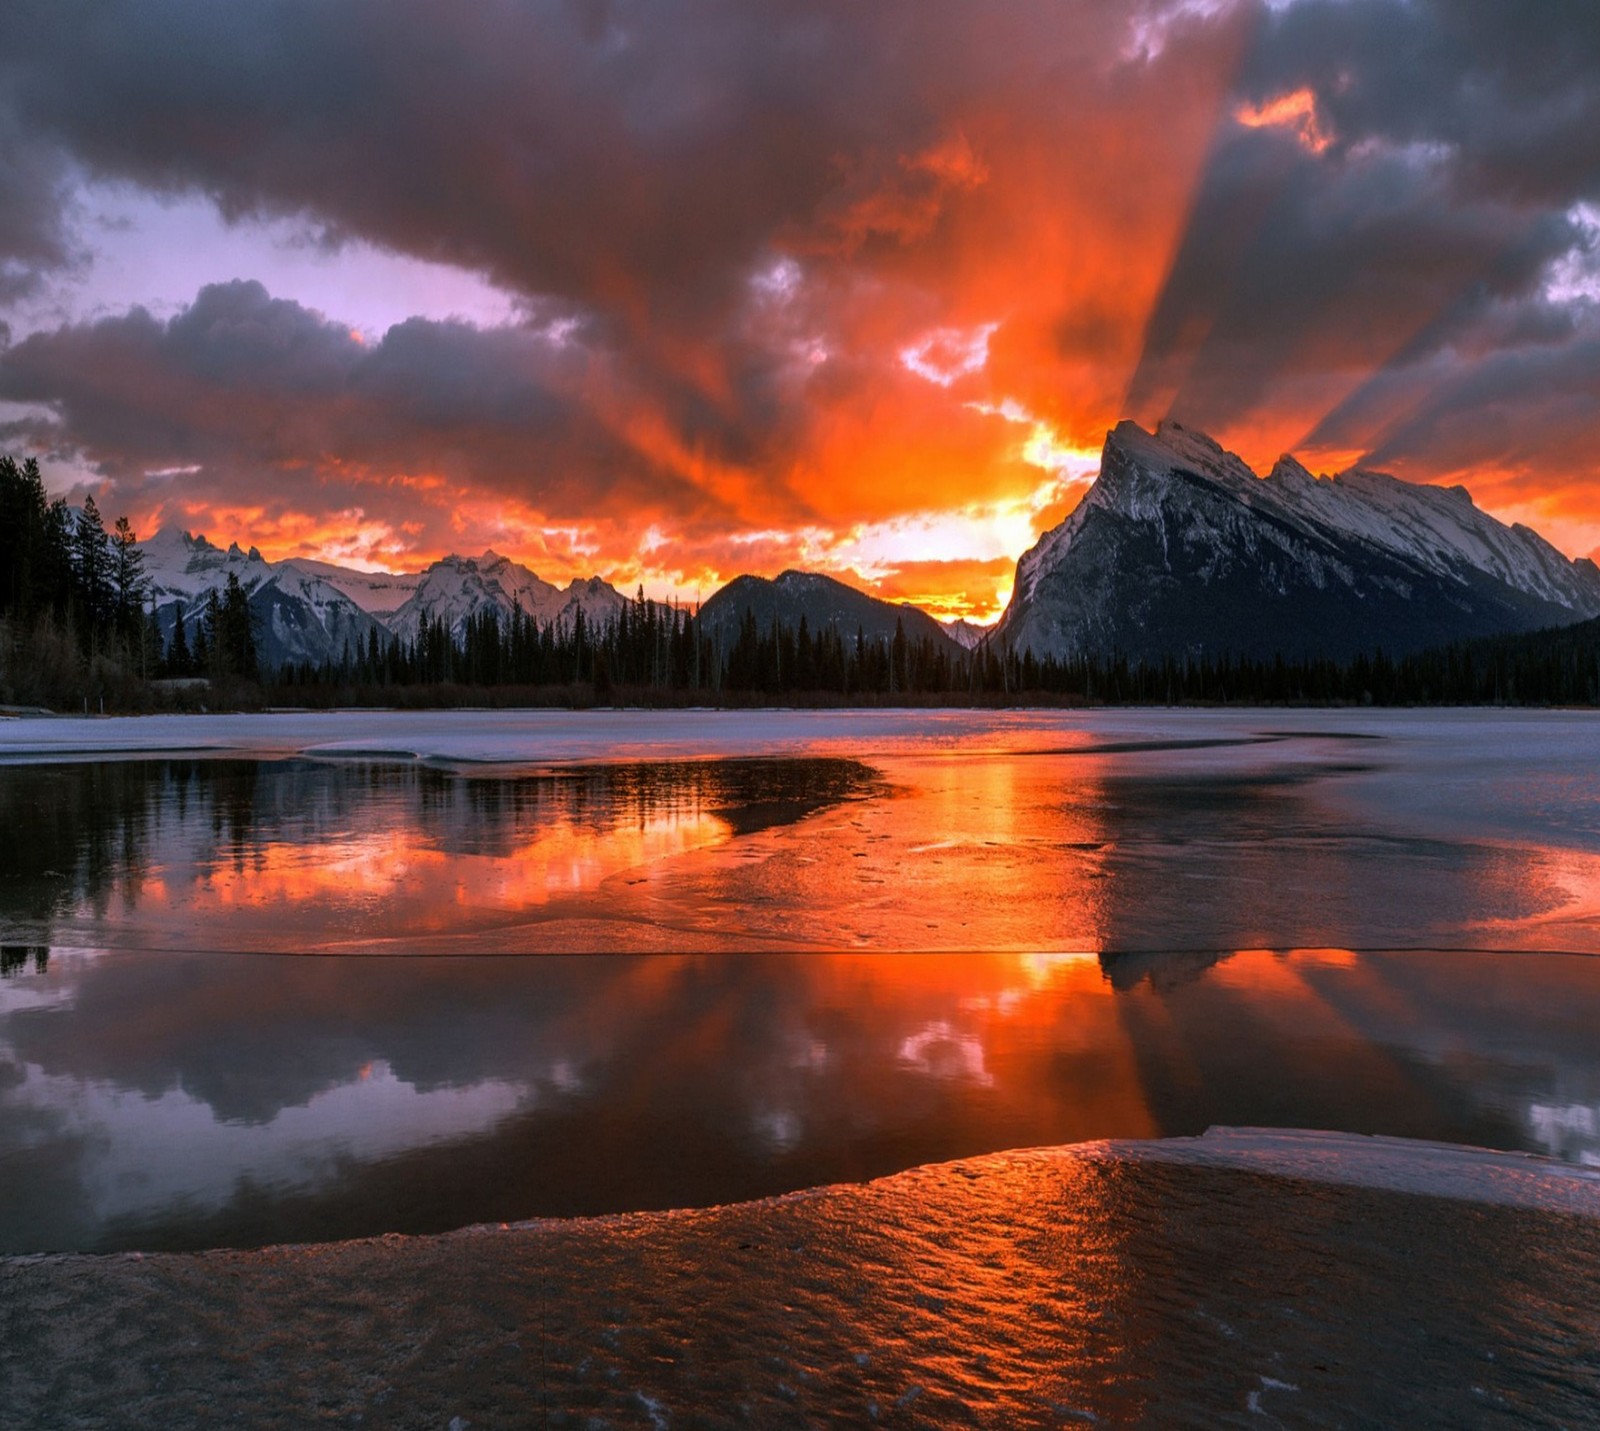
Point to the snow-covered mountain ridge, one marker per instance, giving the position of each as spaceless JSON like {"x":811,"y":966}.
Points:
{"x":308,"y":610}
{"x":1180,"y":547}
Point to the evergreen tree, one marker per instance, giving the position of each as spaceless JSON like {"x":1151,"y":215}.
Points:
{"x":91,"y":556}
{"x":179,"y":660}
{"x":208,"y":653}
{"x":127,"y":576}
{"x":25,"y":535}
{"x":152,"y":657}
{"x":237,"y":640}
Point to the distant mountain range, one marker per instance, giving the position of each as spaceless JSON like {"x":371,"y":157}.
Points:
{"x":1177,"y":549}
{"x":1180,"y":549}
{"x":309,"y":610}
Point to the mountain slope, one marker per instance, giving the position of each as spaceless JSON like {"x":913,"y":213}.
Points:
{"x":299,"y":616}
{"x":1179,"y":548}
{"x":966,"y":634}
{"x":376,"y":592}
{"x":312,"y":610}
{"x":455,"y":589}
{"x":823,"y":601}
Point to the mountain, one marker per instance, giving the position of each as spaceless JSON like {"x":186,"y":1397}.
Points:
{"x":456,"y":589}
{"x":966,"y":634}
{"x":308,"y":610}
{"x":1179,"y":548}
{"x":822,"y":601}
{"x":376,"y":592}
{"x":299,"y":616}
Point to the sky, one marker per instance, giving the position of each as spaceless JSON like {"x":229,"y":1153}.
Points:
{"x":670,"y":290}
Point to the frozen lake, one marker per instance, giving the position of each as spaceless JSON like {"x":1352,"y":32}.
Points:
{"x":306,"y":979}
{"x":261,"y":990}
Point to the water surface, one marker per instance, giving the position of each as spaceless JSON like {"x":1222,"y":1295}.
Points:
{"x":314,"y":996}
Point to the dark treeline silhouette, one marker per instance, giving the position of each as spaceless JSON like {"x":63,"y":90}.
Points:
{"x":74,"y":625}
{"x":75,"y":633}
{"x":657,"y":654}
{"x":648,"y":650}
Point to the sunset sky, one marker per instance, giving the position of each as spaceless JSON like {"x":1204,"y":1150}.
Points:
{"x":678,"y":289}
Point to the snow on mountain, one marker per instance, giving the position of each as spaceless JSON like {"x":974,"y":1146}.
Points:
{"x":456,"y":589}
{"x":308,"y":610}
{"x":1437,"y":527}
{"x":375,"y":592}
{"x":966,"y":634}
{"x":299,"y":615}
{"x":181,"y":567}
{"x":1180,"y":548}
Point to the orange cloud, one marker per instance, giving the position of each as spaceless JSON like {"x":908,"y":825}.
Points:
{"x":859,"y":289}
{"x":1295,"y":112}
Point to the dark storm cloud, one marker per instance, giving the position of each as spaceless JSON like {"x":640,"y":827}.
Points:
{"x":633,"y":155}
{"x":1536,"y":403}
{"x":33,"y":228}
{"x":249,"y":383}
{"x":1390,"y":171}
{"x":1376,"y":191}
{"x":1513,"y":90}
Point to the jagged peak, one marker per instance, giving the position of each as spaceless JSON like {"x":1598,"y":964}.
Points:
{"x":1289,"y":471}
{"x":1180,"y":438}
{"x":1173,"y":446}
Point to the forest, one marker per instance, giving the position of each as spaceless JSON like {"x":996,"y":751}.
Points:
{"x":77,"y":633}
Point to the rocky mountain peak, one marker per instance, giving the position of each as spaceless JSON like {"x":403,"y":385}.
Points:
{"x":1288,"y":471}
{"x":1179,"y":547}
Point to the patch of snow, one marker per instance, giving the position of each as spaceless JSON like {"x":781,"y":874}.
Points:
{"x":1406,"y":1165}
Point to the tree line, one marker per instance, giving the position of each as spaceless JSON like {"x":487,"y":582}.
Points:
{"x":654,"y":652}
{"x":74,"y":621}
{"x":645,"y":648}
{"x":75,"y":628}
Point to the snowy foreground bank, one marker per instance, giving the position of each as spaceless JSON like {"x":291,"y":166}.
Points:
{"x":1183,"y":1282}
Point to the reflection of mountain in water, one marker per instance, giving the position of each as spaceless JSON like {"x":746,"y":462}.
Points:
{"x":1201,"y":865}
{"x":603,"y":1083}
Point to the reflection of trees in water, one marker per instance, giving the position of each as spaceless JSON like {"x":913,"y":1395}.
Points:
{"x":71,"y":832}
{"x":83,"y":835}
{"x":15,"y":958}
{"x":497,"y":814}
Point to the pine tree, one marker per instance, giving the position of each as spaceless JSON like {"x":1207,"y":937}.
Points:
{"x":91,"y":555}
{"x":179,"y":660}
{"x":238,"y":637}
{"x":127,"y":576}
{"x":209,"y":657}
{"x":152,"y":657}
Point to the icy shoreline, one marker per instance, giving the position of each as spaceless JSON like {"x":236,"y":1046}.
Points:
{"x":1187,"y":1282}
{"x":1405,"y":1165}
{"x":537,"y":736}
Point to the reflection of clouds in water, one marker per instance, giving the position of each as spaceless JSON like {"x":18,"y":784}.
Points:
{"x":687,"y":1080}
{"x":1570,"y":1131}
{"x":142,"y":1154}
{"x":560,"y":857}
{"x":780,"y":1129}
{"x":942,"y":1051}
